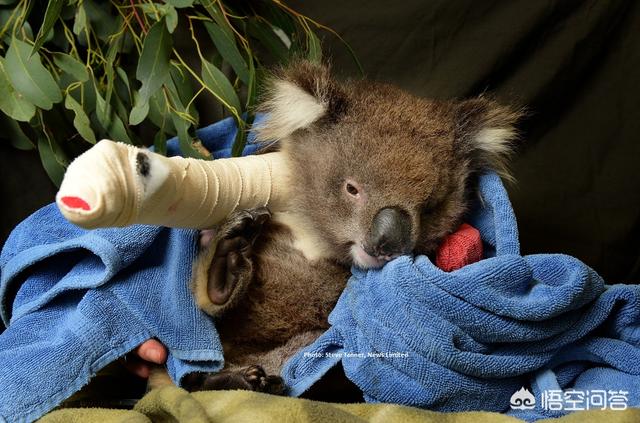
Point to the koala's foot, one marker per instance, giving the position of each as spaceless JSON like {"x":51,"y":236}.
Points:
{"x":252,"y":378}
{"x":262,"y":382}
{"x":231,"y":266}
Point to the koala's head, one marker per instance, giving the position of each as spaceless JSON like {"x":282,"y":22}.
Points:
{"x":378,"y":172}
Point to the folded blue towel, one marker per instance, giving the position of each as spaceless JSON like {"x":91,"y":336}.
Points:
{"x":75,"y":300}
{"x":412,"y":334}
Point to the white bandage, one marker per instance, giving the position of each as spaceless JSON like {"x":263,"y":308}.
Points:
{"x":115,"y":184}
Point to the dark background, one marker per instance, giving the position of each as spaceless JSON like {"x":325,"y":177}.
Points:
{"x":574,"y":64}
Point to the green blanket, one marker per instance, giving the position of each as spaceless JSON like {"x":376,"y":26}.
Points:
{"x":172,"y":404}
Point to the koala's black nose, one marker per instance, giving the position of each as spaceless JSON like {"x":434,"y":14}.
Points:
{"x":390,"y":233}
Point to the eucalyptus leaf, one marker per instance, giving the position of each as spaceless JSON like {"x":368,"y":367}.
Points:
{"x":139,"y":111}
{"x":5,"y":15}
{"x":50,"y":17}
{"x":180,"y":83}
{"x":26,"y":30}
{"x":88,"y":96}
{"x":281,"y":19}
{"x":108,"y":69}
{"x":213,"y":9}
{"x":12,"y":103}
{"x":53,"y":165}
{"x":299,"y":44}
{"x":81,"y":120}
{"x":123,"y":88}
{"x":160,"y":142}
{"x":314,"y":53}
{"x":118,"y":131}
{"x":29,"y":77}
{"x":80,"y":22}
{"x":252,"y":86}
{"x":220,"y":86}
{"x":124,"y":77}
{"x":111,"y":122}
{"x":171,"y":17}
{"x":228,"y":49}
{"x":240,"y":140}
{"x":175,"y":99}
{"x":157,"y":11}
{"x":120,"y":108}
{"x":122,"y":113}
{"x":12,"y":131}
{"x":72,"y":66}
{"x":178,"y":99}
{"x":159,"y":115}
{"x":180,"y":3}
{"x":183,"y":126}
{"x":153,"y":66}
{"x":266,"y":35}
{"x":184,"y":138}
{"x":103,"y":110}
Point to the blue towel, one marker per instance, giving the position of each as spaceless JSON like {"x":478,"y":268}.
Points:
{"x":412,"y":334}
{"x":75,"y":300}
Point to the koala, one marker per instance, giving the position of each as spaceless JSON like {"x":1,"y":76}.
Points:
{"x":375,"y":173}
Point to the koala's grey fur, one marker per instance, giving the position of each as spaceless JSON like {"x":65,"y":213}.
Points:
{"x":353,"y":149}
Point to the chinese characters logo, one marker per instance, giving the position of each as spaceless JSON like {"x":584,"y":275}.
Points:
{"x":571,"y":400}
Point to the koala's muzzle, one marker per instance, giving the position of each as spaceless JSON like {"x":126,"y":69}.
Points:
{"x":390,"y":233}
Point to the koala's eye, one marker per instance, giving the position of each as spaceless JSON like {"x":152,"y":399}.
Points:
{"x":352,"y":190}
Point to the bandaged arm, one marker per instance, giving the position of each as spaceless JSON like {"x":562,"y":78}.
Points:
{"x":116,"y":184}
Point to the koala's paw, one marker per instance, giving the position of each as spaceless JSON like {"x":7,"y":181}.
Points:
{"x":245,"y":224}
{"x":262,"y":382}
{"x":252,"y":378}
{"x":231,"y":266}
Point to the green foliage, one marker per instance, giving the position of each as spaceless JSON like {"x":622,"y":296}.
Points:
{"x":122,"y":68}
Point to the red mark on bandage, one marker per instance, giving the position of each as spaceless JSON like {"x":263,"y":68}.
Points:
{"x":75,"y":203}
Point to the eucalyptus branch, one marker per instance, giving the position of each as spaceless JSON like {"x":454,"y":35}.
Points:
{"x":120,"y":53}
{"x":134,"y":9}
{"x":225,"y":15}
{"x":127,"y":25}
{"x":232,"y":109}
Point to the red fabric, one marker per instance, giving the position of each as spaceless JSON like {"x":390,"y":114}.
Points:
{"x":75,"y":203}
{"x":462,"y":247}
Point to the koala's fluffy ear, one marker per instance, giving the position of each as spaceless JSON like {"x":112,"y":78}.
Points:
{"x":487,"y":133}
{"x":296,"y":97}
